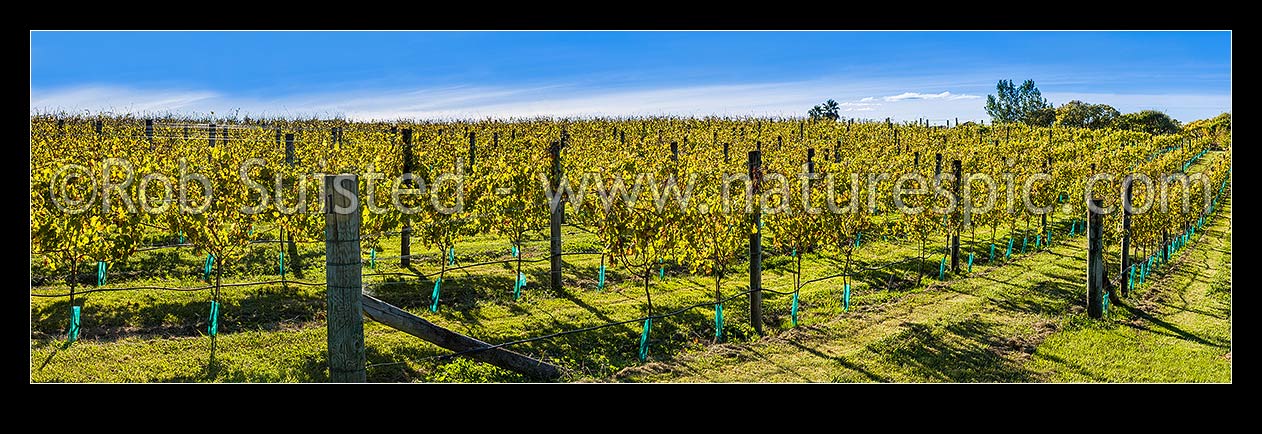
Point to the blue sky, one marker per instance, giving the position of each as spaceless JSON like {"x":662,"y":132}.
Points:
{"x":388,"y":75}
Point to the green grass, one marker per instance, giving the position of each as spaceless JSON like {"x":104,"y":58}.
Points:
{"x":1001,"y":323}
{"x":1176,"y":329}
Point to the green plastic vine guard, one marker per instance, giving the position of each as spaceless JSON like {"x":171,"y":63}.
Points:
{"x":718,"y":321}
{"x":1106,"y":302}
{"x":845,"y":297}
{"x":72,"y":334}
{"x":372,"y":259}
{"x":857,"y":236}
{"x":213,"y":328}
{"x":600,"y":279}
{"x":515,"y":251}
{"x":644,"y":339}
{"x":1049,"y":237}
{"x":942,"y":269}
{"x":521,"y":283}
{"x":438,"y":284}
{"x":794,"y":253}
{"x":208,"y":266}
{"x":1024,"y":241}
{"x":1010,"y":242}
{"x":451,"y":256}
{"x":661,"y":270}
{"x":970,"y":262}
{"x":280,"y":260}
{"x":793,"y":311}
{"x":180,"y":234}
{"x":992,"y":253}
{"x":101,"y":269}
{"x":1073,"y":224}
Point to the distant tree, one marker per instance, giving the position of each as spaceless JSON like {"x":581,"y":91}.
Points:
{"x":1148,"y":121}
{"x":1083,"y":115}
{"x":829,"y":110}
{"x":1043,"y":117}
{"x":1017,"y":104}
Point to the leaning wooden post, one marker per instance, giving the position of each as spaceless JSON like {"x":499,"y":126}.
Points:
{"x":1095,"y":259}
{"x":1126,"y":234}
{"x":343,"y":274}
{"x":755,"y":244}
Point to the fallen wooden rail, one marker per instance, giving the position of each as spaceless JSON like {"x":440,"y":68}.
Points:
{"x":403,"y":321}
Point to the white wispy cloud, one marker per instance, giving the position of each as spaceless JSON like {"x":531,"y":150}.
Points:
{"x":119,"y":99}
{"x":945,"y":95}
{"x":477,"y":102}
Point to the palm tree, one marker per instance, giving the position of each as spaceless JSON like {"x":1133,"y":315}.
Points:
{"x":832,"y":110}
{"x":829,"y":110}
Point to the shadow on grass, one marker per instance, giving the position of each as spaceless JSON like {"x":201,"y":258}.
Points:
{"x":965,"y":351}
{"x":267,"y":309}
{"x":840,"y":361}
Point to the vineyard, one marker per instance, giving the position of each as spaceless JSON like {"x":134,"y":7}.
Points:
{"x":674,"y":237}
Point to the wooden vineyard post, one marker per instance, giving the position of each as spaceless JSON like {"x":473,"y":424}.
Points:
{"x":405,"y":234}
{"x":1046,"y":165}
{"x":1126,"y":234}
{"x":343,"y":273}
{"x":955,"y":238}
{"x":1095,"y":259}
{"x":755,"y":244}
{"x":211,"y":131}
{"x":149,"y":132}
{"x":289,"y":148}
{"x":473,"y":149}
{"x":554,"y":220}
{"x":288,"y":239}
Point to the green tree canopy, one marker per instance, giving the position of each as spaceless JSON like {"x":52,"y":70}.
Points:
{"x":1018,"y":104}
{"x":1083,"y":115}
{"x":1148,"y":121}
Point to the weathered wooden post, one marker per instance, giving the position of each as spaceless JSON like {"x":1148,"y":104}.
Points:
{"x":344,"y":280}
{"x":558,"y":208}
{"x":149,"y":132}
{"x":1126,"y":234}
{"x":955,"y":226}
{"x":473,"y":149}
{"x":755,"y":243}
{"x":405,"y":234}
{"x":1095,"y":259}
